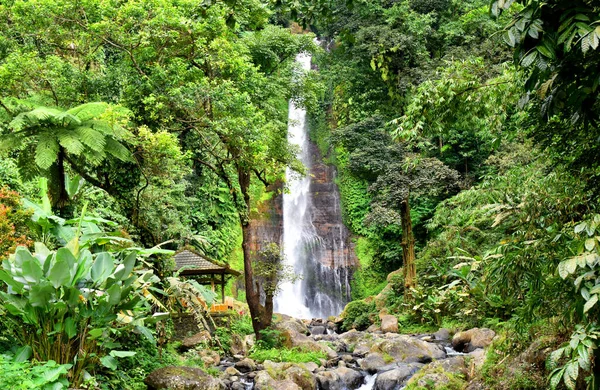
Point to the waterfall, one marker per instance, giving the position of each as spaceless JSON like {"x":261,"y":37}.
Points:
{"x":316,"y":244}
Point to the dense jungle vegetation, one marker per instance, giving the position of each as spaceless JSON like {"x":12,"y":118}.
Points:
{"x":465,"y":136}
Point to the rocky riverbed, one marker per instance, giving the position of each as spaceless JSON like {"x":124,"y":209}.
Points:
{"x":369,"y":360}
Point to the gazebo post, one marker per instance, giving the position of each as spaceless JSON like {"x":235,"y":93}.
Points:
{"x":222,"y":287}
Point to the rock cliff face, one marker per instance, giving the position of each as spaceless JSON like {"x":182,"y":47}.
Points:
{"x":329,"y":258}
{"x":266,"y":223}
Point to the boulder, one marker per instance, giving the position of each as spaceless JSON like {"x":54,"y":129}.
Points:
{"x":209,"y":357}
{"x":340,"y":379}
{"x":238,"y":346}
{"x":447,"y":373}
{"x":392,"y":379}
{"x":200,"y":338}
{"x":245,"y":365}
{"x":373,"y":328}
{"x":263,"y":381}
{"x":389,"y":324}
{"x":229,"y":372}
{"x":372,"y":362}
{"x":182,"y":378}
{"x":442,"y":335}
{"x":407,"y":349}
{"x":472,"y":339}
{"x":317,"y":330}
{"x":296,"y":373}
{"x":287,"y":324}
{"x":249,"y":341}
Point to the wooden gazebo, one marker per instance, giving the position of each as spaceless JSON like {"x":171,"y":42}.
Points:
{"x":205,"y":270}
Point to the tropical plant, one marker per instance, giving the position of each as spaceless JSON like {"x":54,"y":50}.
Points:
{"x":70,"y":305}
{"x":18,"y":374}
{"x":83,"y":137}
{"x":577,"y":357}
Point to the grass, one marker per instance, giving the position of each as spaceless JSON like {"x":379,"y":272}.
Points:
{"x":294,"y":355}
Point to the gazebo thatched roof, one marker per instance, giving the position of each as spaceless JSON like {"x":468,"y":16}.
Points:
{"x":196,"y":264}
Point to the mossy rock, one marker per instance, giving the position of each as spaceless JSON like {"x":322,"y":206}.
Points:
{"x":181,"y":378}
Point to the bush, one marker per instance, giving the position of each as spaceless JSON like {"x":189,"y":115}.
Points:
{"x":70,"y":305}
{"x":17,"y":375}
{"x":358,"y":315}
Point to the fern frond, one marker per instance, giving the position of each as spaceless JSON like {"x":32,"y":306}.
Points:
{"x":117,"y":149}
{"x":91,"y":138}
{"x":95,"y":157}
{"x":46,"y":151}
{"x":88,"y":111}
{"x":68,"y":140}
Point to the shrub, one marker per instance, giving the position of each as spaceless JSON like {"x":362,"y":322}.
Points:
{"x":358,"y":315}
{"x":70,"y":305}
{"x":17,"y":375}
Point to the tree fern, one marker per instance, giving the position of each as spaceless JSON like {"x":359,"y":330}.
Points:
{"x":90,"y":132}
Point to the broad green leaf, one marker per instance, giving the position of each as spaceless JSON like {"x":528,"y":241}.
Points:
{"x":114,"y":294}
{"x":70,"y":327}
{"x":146,"y":332}
{"x":571,"y":374}
{"x":590,"y":243}
{"x":30,"y":266}
{"x":23,"y":354}
{"x":584,"y":357}
{"x":60,"y":273}
{"x":590,"y":303}
{"x":109,"y":362}
{"x":41,"y":294}
{"x":580,"y":227}
{"x":102,"y":268}
{"x":585,"y":293}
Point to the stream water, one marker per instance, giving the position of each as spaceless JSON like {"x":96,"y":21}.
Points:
{"x":315,"y":241}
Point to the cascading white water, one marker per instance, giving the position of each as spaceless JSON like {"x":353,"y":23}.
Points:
{"x":290,"y":299}
{"x":315,"y":241}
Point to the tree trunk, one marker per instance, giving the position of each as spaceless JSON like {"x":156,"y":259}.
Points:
{"x":261,"y":315}
{"x":408,"y":249}
{"x":58,"y":190}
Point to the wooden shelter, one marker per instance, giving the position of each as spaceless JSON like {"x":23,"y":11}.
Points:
{"x":206,"y":271}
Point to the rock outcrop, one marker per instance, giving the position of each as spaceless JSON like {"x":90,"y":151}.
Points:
{"x":182,"y":378}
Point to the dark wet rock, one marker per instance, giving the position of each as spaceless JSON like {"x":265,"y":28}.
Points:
{"x":245,"y":365}
{"x":182,"y":378}
{"x":372,"y":362}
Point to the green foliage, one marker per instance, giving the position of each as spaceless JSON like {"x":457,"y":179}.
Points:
{"x":359,"y":315}
{"x":18,"y":374}
{"x":576,"y":356}
{"x":74,"y":302}
{"x":294,"y":355}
